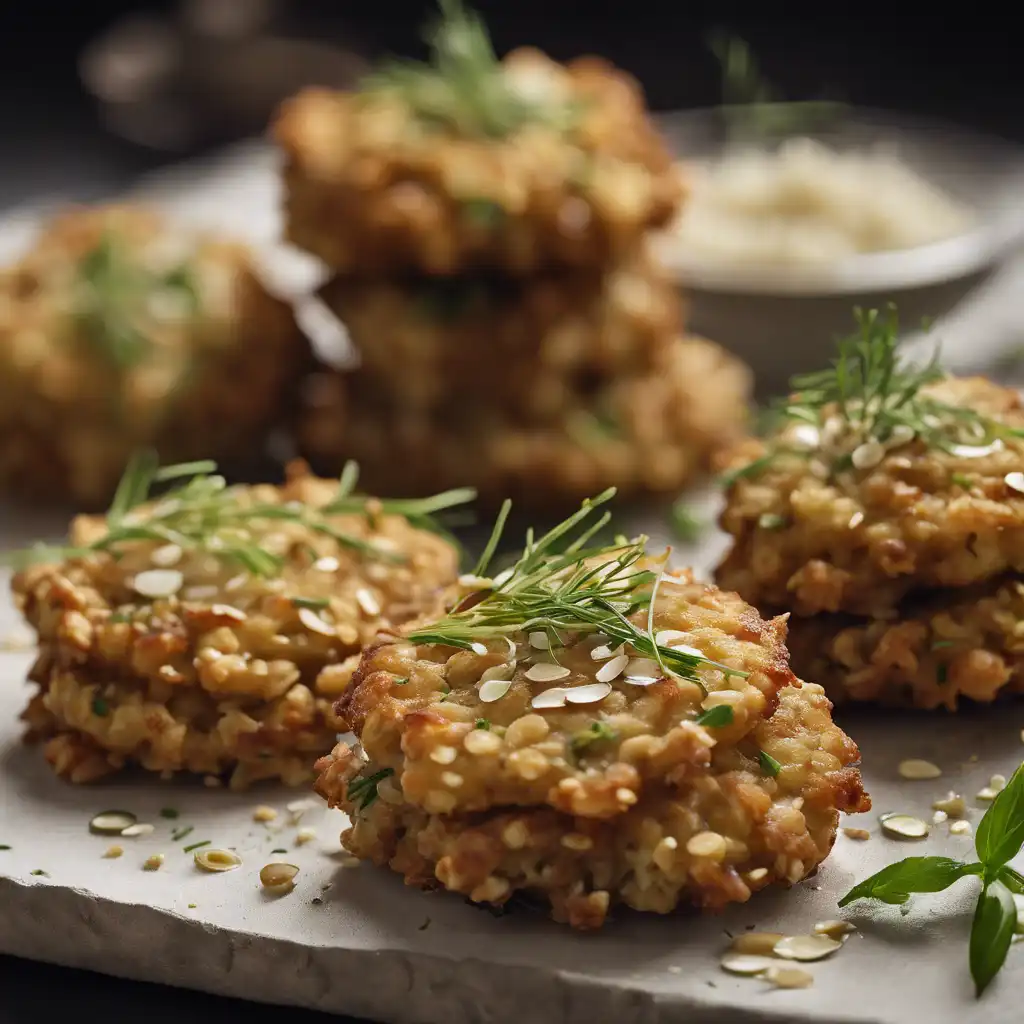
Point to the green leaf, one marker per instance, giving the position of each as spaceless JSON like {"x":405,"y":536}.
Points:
{"x":1013,"y":880}
{"x":995,"y":920}
{"x":768,"y":763}
{"x":717,"y":717}
{"x":1000,"y":832}
{"x":685,"y":525}
{"x":895,"y":883}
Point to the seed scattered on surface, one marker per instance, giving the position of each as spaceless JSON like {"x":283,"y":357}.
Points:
{"x":745,"y":964}
{"x":986,"y":794}
{"x":789,"y":977}
{"x":314,"y":623}
{"x":612,"y":669}
{"x":166,"y":556}
{"x":113,"y":852}
{"x":549,"y":699}
{"x":859,"y":834}
{"x":494,"y":689}
{"x":756,"y":875}
{"x":367,"y":602}
{"x":278,"y":877}
{"x":759,"y":943}
{"x":806,"y":948}
{"x":111,"y":823}
{"x":545,"y":673}
{"x":478,"y":648}
{"x":960,"y":828}
{"x":299,"y":807}
{"x":264,"y":813}
{"x":153,"y":862}
{"x":1015,"y":481}
{"x":915,"y":768}
{"x":216,"y":860}
{"x":953,"y":805}
{"x":903,"y":826}
{"x":867,"y":455}
{"x":939,"y":817}
{"x":590,"y":693}
{"x":998,"y":783}
{"x":141,"y":829}
{"x":158,"y":582}
{"x":304,"y":835}
{"x":834,"y":929}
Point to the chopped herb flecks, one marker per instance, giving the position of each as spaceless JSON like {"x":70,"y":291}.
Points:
{"x":178,"y":834}
{"x":768,"y":763}
{"x":168,"y":812}
{"x":197,"y":846}
{"x":363,"y":791}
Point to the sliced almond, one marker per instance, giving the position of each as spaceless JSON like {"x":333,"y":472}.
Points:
{"x":1015,"y":481}
{"x":493,"y":689}
{"x":759,"y":943}
{"x":960,"y":828}
{"x":549,"y":699}
{"x":953,"y":805}
{"x":367,"y":602}
{"x":612,"y":669}
{"x":834,"y":929}
{"x":903,"y":826}
{"x":670,"y":637}
{"x":789,"y":977}
{"x":166,"y":556}
{"x":860,"y":834}
{"x":915,"y":768}
{"x":141,"y":828}
{"x":806,"y":948}
{"x":590,"y":693}
{"x":112,"y":823}
{"x":546,"y":673}
{"x":504,"y":671}
{"x":976,"y":451}
{"x":540,"y":641}
{"x":745,"y":964}
{"x":312,"y":621}
{"x":158,"y":582}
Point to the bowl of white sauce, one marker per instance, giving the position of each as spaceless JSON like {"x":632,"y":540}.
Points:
{"x":781,"y":238}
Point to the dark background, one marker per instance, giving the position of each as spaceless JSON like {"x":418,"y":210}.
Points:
{"x":965,"y":68}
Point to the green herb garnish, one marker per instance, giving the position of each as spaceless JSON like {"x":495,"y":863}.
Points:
{"x":464,"y":89}
{"x":178,"y":834}
{"x":169,"y":812}
{"x":313,"y":603}
{"x":942,"y":674}
{"x":998,"y":840}
{"x":100,"y":707}
{"x":597,"y":732}
{"x":203,"y":513}
{"x":363,"y":791}
{"x":482,"y":723}
{"x":768,"y":763}
{"x":937,"y":645}
{"x":685,"y":525}
{"x":563,"y":587}
{"x":197,"y":846}
{"x":717,"y":717}
{"x":400,"y":680}
{"x":40,"y":872}
{"x":114,"y":299}
{"x":4,"y":846}
{"x":278,"y":850}
{"x":771,"y":521}
{"x":870,"y":397}
{"x":961,"y":481}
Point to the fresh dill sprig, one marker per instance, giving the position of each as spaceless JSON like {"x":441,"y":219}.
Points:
{"x":114,"y":297}
{"x":751,"y":105}
{"x":463,"y":88}
{"x":869,"y":401}
{"x":563,"y":585}
{"x":201,"y":512}
{"x":363,"y":791}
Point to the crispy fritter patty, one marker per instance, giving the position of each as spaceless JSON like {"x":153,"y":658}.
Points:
{"x":935,"y":650}
{"x":372,"y":189}
{"x":647,"y":434}
{"x":860,"y":541}
{"x":537,"y":342}
{"x":627,"y":798}
{"x":227,"y":670}
{"x":119,"y":331}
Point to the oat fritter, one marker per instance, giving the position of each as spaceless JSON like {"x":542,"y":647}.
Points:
{"x":222,"y":652}
{"x":860,"y":540}
{"x":561,"y":759}
{"x":537,"y":342}
{"x":118,"y":331}
{"x":646,"y":435}
{"x":518,"y":165}
{"x":937,"y":649}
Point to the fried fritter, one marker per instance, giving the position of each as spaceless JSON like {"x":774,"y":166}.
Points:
{"x":120,"y":331}
{"x":811,"y":540}
{"x":937,"y":649}
{"x":647,"y":434}
{"x":223,"y":654}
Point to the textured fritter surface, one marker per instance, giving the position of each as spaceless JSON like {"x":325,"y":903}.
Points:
{"x":370,"y":188}
{"x":537,"y":342}
{"x":626,"y":799}
{"x":936,"y":650}
{"x":861,"y":540}
{"x":117,"y":331}
{"x":231,"y":672}
{"x":647,"y":434}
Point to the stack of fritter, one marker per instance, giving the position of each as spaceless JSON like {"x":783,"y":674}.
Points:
{"x":887,"y":514}
{"x":208,"y":631}
{"x":557,"y":736}
{"x":119,"y":330}
{"x":486,"y":222}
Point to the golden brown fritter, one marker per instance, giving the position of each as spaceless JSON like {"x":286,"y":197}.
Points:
{"x":936,"y":649}
{"x":374,"y":186}
{"x":537,"y":342}
{"x":648,"y":434}
{"x":119,"y":330}
{"x":181,"y":658}
{"x":621,"y":794}
{"x":811,"y":540}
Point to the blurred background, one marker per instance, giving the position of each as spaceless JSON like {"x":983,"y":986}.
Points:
{"x":96,"y":92}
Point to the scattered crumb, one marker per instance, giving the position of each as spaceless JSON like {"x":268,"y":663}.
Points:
{"x":675,"y":969}
{"x":169,"y":812}
{"x":856,"y":833}
{"x":316,"y":901}
{"x":305,"y":835}
{"x":264,"y":813}
{"x":113,"y":852}
{"x":4,"y":846}
{"x":789,"y":977}
{"x":423,"y":927}
{"x":40,"y":873}
{"x":191,"y":906}
{"x":19,"y":641}
{"x":280,"y":849}
{"x":153,"y":862}
{"x":960,"y":828}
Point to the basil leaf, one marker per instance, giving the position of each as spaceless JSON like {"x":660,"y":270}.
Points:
{"x":895,"y":883}
{"x":995,"y":920}
{"x":1013,"y":880}
{"x":717,"y":717}
{"x":1001,"y":831}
